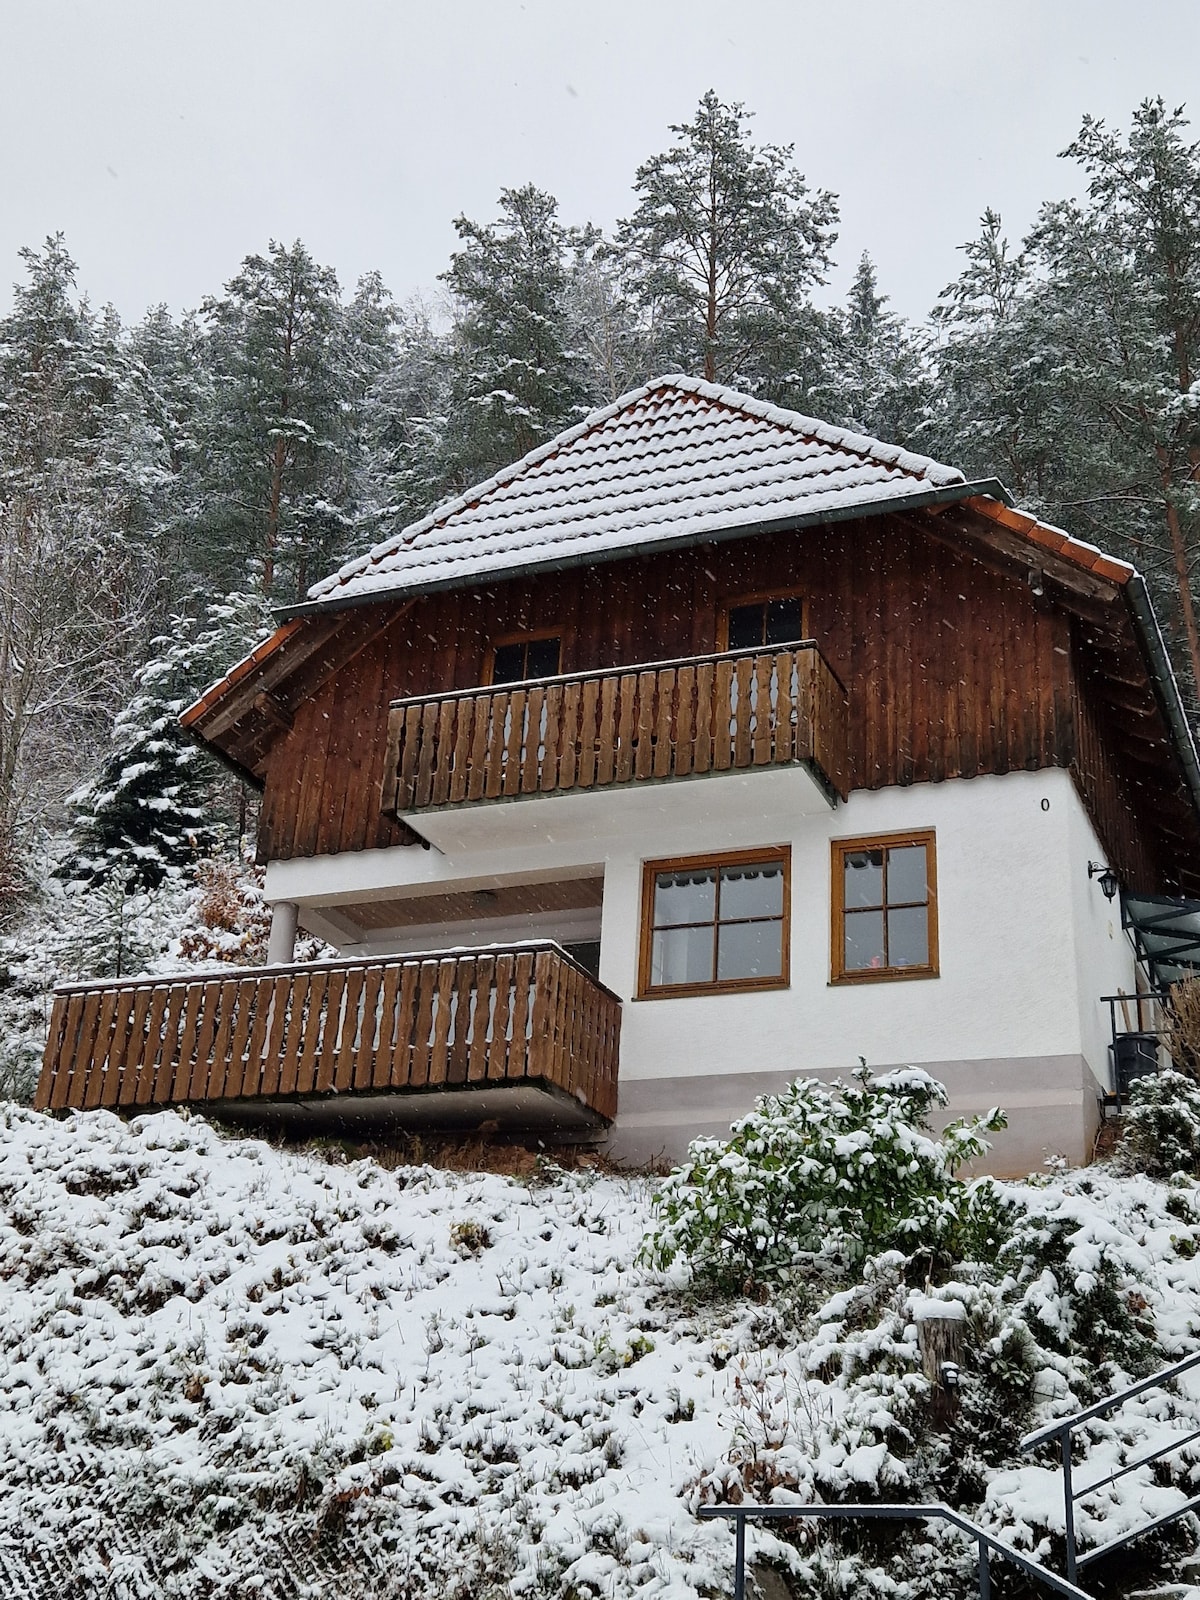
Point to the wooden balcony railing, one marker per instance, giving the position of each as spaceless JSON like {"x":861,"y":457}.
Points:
{"x":672,"y":719}
{"x":527,"y":1015}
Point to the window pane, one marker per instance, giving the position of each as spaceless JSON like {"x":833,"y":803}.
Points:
{"x":682,"y":955}
{"x":508,"y":663}
{"x":785,"y":621}
{"x":908,"y":937}
{"x":864,"y":878}
{"x":685,"y":897}
{"x":864,"y":941}
{"x":745,"y":627}
{"x":544,"y":656}
{"x":906,"y":875}
{"x":750,"y":950}
{"x":752,"y":891}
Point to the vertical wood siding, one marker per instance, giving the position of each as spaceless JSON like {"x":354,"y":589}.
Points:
{"x":952,"y":669}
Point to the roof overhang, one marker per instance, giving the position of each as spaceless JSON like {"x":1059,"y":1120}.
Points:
{"x":638,"y":545}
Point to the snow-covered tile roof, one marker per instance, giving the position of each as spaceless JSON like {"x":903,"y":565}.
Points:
{"x":675,"y":461}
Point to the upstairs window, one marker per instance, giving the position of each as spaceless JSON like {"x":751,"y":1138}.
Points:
{"x":715,"y":923}
{"x":760,"y":621}
{"x":884,"y":908}
{"x":529,"y":655}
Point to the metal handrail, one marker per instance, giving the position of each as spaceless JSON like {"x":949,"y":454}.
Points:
{"x":1060,"y":1432}
{"x":987,"y":1543}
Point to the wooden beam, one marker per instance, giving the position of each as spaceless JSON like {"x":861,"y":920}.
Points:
{"x":270,"y":707}
{"x":299,"y":667}
{"x":1007,"y":552}
{"x":1021,"y":553}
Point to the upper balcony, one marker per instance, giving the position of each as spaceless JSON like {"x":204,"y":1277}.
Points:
{"x":604,"y":730}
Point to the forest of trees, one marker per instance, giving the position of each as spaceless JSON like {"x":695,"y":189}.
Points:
{"x":164,"y":484}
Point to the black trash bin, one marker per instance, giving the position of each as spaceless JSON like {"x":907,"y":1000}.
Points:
{"x":1135,"y":1055}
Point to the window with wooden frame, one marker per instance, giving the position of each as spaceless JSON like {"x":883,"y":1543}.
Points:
{"x":756,"y":621}
{"x":520,"y":656}
{"x":884,"y":908}
{"x":714,"y":924}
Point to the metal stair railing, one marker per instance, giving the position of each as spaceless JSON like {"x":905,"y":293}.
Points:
{"x":1060,"y":1432}
{"x":987,"y":1544}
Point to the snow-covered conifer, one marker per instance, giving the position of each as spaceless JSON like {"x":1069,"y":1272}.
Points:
{"x":149,"y":811}
{"x":516,"y":379}
{"x":723,"y":250}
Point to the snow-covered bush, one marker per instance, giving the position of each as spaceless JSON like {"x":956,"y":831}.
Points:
{"x":822,"y":1172}
{"x":1162,"y":1124}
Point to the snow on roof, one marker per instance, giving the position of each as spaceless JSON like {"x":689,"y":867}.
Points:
{"x":673,"y":461}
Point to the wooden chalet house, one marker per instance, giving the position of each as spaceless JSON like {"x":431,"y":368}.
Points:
{"x":705,"y":746}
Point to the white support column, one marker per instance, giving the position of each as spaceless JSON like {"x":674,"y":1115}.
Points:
{"x":281,"y":946}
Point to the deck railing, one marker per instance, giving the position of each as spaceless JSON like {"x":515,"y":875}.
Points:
{"x":526,"y":1014}
{"x":671,"y":719}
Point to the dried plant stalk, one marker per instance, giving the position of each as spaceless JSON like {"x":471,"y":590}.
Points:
{"x":1183,"y":1026}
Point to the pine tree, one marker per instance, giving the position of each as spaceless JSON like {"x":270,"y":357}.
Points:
{"x":405,"y":422}
{"x":1002,"y":407}
{"x":619,"y":351}
{"x":275,"y":437}
{"x":1122,"y":269}
{"x":516,"y":379}
{"x":724,"y":249}
{"x":1067,"y":368}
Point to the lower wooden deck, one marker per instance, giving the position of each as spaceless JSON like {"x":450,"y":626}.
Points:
{"x":432,"y":1026}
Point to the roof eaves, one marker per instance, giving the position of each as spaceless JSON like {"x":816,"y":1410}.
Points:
{"x":560,"y":560}
{"x":1166,"y":685}
{"x":1080,"y":554}
{"x":287,"y":629}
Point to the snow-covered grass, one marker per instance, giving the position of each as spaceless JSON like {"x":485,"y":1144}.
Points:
{"x":230,"y":1370}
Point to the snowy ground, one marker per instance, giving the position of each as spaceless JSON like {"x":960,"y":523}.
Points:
{"x":227,"y":1370}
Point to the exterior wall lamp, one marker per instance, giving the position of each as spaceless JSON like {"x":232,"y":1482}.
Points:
{"x":1109,"y":882}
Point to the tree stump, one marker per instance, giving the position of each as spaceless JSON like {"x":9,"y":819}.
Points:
{"x":940,"y":1326}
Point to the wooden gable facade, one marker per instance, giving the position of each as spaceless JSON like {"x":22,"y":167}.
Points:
{"x":964,"y":647}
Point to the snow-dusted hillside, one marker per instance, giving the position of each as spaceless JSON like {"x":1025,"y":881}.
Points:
{"x":232,"y":1371}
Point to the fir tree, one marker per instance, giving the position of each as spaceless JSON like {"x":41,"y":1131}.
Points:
{"x":879,"y":382}
{"x":723,"y":250}
{"x":516,"y":379}
{"x":152,"y":809}
{"x":81,"y":467}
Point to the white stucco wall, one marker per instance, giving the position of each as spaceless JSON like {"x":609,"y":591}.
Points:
{"x":1104,"y":955}
{"x":1019,"y":930}
{"x":1027,"y":942}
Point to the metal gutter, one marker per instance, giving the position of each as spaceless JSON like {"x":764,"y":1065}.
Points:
{"x":950,"y":495}
{"x":1166,"y":686}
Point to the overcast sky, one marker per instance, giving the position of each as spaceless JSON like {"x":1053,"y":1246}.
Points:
{"x":169,"y":138}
